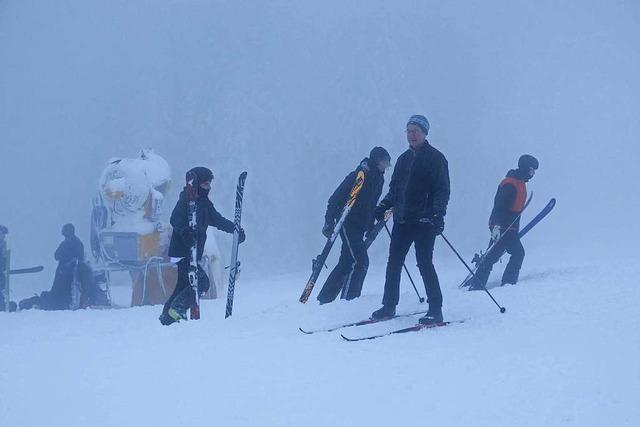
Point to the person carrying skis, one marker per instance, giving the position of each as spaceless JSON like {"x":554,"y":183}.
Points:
{"x":349,"y":274}
{"x":418,"y":194}
{"x":183,"y":238}
{"x":504,"y":224}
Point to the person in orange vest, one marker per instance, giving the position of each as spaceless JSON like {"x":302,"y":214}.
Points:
{"x":504,"y":224}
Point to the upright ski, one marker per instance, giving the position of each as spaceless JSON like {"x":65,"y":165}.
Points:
{"x":359,"y":323}
{"x":234,"y":266}
{"x":320,"y":260}
{"x":192,"y":197}
{"x":414,"y":328}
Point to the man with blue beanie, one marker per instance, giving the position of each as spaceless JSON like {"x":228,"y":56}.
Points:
{"x":418,"y":194}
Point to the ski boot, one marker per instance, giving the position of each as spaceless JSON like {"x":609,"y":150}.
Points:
{"x":386,"y":312}
{"x":177,"y":314}
{"x":433,"y":317}
{"x":166,"y":320}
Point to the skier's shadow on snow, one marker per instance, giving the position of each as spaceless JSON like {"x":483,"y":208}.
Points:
{"x":531,"y":277}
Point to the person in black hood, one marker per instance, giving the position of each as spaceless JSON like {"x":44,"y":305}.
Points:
{"x":71,"y":267}
{"x":418,"y":194}
{"x":183,"y":238}
{"x":504,"y":224}
{"x":349,"y":274}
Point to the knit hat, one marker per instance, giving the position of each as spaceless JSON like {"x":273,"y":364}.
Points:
{"x":527,"y":161}
{"x":421,"y":122}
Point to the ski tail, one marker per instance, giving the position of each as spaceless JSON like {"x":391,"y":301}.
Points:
{"x":234,"y":266}
{"x":414,"y":328}
{"x":319,"y":261}
{"x":360,"y":323}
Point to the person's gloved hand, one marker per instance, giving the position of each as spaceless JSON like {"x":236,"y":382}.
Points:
{"x":327,"y":229}
{"x":380,"y":210}
{"x":241,"y":236}
{"x":438,"y":223}
{"x":496,"y":232}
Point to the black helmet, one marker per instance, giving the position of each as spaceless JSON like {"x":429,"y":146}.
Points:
{"x":527,"y":161}
{"x":202,"y":174}
{"x":379,"y":154}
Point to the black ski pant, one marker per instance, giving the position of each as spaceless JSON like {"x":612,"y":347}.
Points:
{"x":510,"y":242}
{"x":182,"y":296}
{"x":402,"y":237}
{"x":348,"y":275}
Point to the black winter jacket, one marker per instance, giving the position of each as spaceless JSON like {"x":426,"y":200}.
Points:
{"x":361,"y":216}
{"x":419,"y":186}
{"x":206,"y":215}
{"x":71,"y":248}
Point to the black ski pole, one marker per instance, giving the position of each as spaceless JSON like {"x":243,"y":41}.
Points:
{"x":502,"y":309}
{"x":421,"y":299}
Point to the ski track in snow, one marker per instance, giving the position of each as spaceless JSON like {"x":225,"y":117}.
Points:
{"x":565,"y":353}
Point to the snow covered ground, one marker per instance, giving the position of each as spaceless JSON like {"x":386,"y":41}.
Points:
{"x":566,"y":352}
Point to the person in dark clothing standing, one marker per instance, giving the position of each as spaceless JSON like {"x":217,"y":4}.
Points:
{"x":349,"y":274}
{"x":504,"y":224}
{"x":183,"y":238}
{"x":418,"y":194}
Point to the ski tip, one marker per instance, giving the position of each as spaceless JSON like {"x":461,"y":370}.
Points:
{"x":305,"y":332}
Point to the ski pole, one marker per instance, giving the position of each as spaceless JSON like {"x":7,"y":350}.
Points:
{"x":502,"y":309}
{"x":421,"y":299}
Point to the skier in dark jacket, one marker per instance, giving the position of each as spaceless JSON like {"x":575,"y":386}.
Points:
{"x":418,"y":194}
{"x":348,"y":275}
{"x":183,"y":238}
{"x":71,"y":268}
{"x":504,"y":224}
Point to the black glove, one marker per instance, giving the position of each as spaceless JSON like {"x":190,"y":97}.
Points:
{"x":437,"y":221}
{"x":241,"y":236}
{"x":380,"y":210}
{"x":327,"y":230}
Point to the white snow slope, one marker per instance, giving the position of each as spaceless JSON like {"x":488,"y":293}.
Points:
{"x":566,"y":352}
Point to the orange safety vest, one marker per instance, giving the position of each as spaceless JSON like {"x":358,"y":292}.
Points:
{"x":521,"y":193}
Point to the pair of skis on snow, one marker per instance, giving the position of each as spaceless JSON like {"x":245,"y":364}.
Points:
{"x":234,"y":266}
{"x":415,"y":328}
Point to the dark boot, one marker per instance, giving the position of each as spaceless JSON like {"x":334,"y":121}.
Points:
{"x":386,"y":312}
{"x":433,"y":316}
{"x":165,"y":319}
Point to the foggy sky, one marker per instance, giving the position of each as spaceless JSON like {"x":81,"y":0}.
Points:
{"x":297,"y":93}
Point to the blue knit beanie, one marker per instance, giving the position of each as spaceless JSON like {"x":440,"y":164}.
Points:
{"x":421,"y":122}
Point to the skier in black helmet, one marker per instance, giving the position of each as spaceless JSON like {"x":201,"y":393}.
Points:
{"x":183,"y":238}
{"x":504,"y":224}
{"x":348,"y":275}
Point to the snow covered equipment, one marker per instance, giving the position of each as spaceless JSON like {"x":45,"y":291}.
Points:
{"x":319,"y":261}
{"x":192,"y":197}
{"x":234,"y":266}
